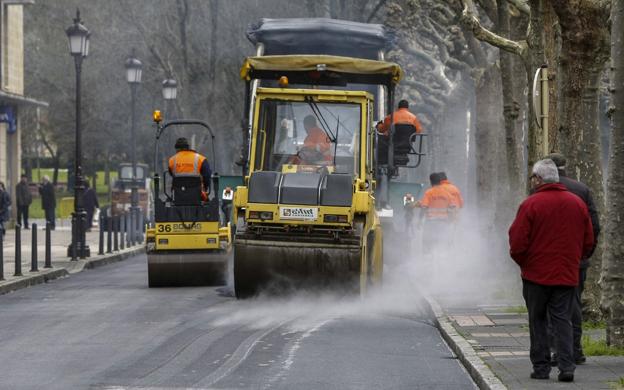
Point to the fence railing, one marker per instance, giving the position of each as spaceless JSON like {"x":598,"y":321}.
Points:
{"x":114,"y":235}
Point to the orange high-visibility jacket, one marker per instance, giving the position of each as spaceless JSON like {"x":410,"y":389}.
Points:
{"x":454,"y":191}
{"x":317,"y":139}
{"x":400,"y":116}
{"x":186,"y":163}
{"x":437,"y":201}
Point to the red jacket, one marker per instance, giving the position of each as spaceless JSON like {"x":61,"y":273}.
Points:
{"x":551,"y":233}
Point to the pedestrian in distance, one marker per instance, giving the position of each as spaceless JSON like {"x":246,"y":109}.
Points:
{"x":5,"y":207}
{"x":582,"y":191}
{"x":91,"y":203}
{"x":48,"y":201}
{"x":552,"y":231}
{"x":23,"y":198}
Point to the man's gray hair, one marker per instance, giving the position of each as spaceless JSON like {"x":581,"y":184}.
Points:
{"x":547,"y":170}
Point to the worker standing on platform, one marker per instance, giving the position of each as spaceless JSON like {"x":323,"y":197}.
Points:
{"x":401,"y":116}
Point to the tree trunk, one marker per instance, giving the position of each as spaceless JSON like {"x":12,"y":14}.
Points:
{"x":57,"y":165}
{"x":511,"y":109}
{"x":584,"y":51}
{"x":488,"y":116}
{"x":552,"y":48}
{"x":535,"y":42}
{"x":613,"y":261}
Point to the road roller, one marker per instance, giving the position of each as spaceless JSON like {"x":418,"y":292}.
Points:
{"x":188,"y":243}
{"x":305,"y":216}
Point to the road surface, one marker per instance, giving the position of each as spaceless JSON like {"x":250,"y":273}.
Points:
{"x":104,"y":329}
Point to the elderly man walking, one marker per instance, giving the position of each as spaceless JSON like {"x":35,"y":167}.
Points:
{"x":551,"y":233}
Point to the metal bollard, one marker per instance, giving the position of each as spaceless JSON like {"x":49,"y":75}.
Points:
{"x":18,"y":250}
{"x":122,"y":231}
{"x":131,"y":230}
{"x":34,"y":267}
{"x":109,"y":234}
{"x":1,"y":256}
{"x":48,"y":246}
{"x":141,"y":227}
{"x":101,"y":243}
{"x":116,"y":233}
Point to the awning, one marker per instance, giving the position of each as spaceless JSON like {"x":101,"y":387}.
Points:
{"x":20,"y":100}
{"x":354,"y":70}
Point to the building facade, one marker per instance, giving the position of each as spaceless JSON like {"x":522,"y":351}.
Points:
{"x":12,"y":99}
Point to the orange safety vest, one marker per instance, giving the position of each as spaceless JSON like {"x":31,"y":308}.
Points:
{"x":454,"y":191}
{"x":401,"y":116}
{"x":186,"y":163}
{"x":437,"y":201}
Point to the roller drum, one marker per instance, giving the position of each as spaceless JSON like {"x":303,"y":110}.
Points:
{"x":187,"y":268}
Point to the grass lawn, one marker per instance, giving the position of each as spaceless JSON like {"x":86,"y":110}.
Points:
{"x":64,"y":207}
{"x":593,"y":347}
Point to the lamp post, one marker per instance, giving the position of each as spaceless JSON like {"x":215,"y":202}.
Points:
{"x":169,"y":92}
{"x":134,"y":70}
{"x":79,"y":48}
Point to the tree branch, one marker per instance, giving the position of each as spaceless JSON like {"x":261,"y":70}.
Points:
{"x":469,"y":19}
{"x":521,"y":5}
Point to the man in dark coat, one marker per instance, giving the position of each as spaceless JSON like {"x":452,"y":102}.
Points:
{"x":551,"y":233}
{"x":48,"y":201}
{"x":23,"y":198}
{"x":5,"y":204}
{"x":90,"y":204}
{"x":582,"y":191}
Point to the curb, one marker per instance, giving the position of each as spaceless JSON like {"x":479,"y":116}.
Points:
{"x":79,"y":266}
{"x":482,"y":374}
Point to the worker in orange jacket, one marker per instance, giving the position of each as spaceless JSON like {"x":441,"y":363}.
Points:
{"x":316,"y":145}
{"x":187,"y":162}
{"x":438,"y":210}
{"x":452,"y":189}
{"x":401,"y":116}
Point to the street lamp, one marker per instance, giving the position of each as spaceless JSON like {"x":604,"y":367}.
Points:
{"x":134,"y":70}
{"x":79,"y":48}
{"x":169,"y":89}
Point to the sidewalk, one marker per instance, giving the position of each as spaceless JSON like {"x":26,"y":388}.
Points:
{"x":498,"y":336}
{"x":61,"y":263}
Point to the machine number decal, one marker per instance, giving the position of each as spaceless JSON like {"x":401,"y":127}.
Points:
{"x":300,"y":213}
{"x":178,"y":227}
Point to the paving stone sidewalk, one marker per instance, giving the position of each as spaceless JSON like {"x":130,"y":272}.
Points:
{"x":499,"y":335}
{"x":61,"y":263}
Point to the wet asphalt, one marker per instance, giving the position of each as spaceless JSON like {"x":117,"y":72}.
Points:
{"x":104,"y":329}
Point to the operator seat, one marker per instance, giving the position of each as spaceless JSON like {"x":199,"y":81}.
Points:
{"x":186,"y":190}
{"x":401,"y":142}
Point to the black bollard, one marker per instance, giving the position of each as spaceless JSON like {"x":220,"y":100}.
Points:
{"x":109,"y":234}
{"x":18,"y":250}
{"x":122,"y":230}
{"x":34,"y":267}
{"x":116,"y":233}
{"x":1,"y":256}
{"x":101,"y":243}
{"x":48,"y":246}
{"x":132,"y":232}
{"x":128,"y":231}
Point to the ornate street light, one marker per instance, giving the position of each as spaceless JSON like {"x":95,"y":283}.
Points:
{"x":134,"y":70}
{"x":169,"y":89}
{"x":79,"y":48}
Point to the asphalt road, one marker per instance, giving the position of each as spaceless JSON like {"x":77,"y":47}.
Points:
{"x":104,"y":329}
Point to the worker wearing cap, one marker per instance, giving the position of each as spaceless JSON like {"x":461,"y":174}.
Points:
{"x":187,"y":162}
{"x":438,"y":210}
{"x":452,"y":189}
{"x":402,"y":116}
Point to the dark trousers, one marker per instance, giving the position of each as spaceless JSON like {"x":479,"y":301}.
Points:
{"x":577,"y":314}
{"x":22,"y":214}
{"x":554,"y":302}
{"x":90,"y":218}
{"x":50,"y":217}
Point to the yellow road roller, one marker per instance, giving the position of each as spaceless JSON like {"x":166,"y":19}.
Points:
{"x":305,"y":216}
{"x":187,"y":244}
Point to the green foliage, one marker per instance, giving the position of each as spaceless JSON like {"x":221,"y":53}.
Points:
{"x":520,"y":309}
{"x":599,"y":348}
{"x":618,"y":384}
{"x":591,"y":325}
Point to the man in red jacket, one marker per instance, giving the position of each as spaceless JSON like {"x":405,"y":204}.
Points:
{"x":551,"y":233}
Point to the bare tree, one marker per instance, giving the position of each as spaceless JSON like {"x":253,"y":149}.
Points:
{"x":613,"y":261}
